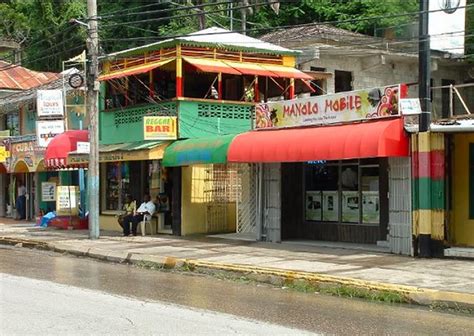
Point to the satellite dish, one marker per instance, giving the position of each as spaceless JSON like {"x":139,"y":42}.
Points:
{"x":449,"y":6}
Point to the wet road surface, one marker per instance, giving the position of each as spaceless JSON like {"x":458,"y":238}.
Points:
{"x":134,"y":300}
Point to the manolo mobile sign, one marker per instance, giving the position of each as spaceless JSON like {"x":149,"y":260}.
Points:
{"x":328,"y":109}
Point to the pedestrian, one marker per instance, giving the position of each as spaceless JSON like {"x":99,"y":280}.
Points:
{"x":128,"y":209}
{"x":147,"y":208}
{"x":21,"y":201}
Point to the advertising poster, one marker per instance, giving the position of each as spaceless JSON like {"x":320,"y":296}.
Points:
{"x":370,"y":207}
{"x":46,"y":130}
{"x":313,"y":206}
{"x":50,"y":103}
{"x":48,"y":191}
{"x":328,"y":109}
{"x":350,"y":206}
{"x":160,"y":128}
{"x":330,"y":206}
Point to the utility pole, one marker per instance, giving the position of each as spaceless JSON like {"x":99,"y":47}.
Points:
{"x":424,"y":143}
{"x":92,"y":109}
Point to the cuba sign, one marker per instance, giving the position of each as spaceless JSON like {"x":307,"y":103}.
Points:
{"x":160,"y":128}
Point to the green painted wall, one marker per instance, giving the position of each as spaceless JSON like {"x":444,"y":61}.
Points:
{"x":195,"y":119}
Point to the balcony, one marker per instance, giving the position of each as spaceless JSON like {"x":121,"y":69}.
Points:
{"x":196,"y":118}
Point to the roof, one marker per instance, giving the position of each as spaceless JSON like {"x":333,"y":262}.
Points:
{"x":214,"y":37}
{"x":15,"y":77}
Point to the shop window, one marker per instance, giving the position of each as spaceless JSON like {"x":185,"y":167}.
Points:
{"x":345,"y":191}
{"x":117,"y":184}
{"x":322,"y":192}
{"x":12,"y":123}
{"x":342,"y":81}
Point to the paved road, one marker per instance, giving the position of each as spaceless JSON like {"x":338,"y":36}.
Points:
{"x":48,"y":293}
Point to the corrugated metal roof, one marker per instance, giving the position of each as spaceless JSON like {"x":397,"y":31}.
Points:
{"x":15,"y":77}
{"x":215,"y":37}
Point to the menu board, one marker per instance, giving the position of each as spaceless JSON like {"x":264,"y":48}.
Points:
{"x":67,"y":200}
{"x":313,"y":205}
{"x":330,"y":206}
{"x":350,"y":206}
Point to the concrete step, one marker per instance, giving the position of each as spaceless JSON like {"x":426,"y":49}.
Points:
{"x":459,"y":252}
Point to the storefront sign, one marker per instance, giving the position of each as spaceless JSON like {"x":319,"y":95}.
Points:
{"x":48,"y":191}
{"x":47,"y":130}
{"x":50,"y":103}
{"x":328,"y":109}
{"x":67,"y":200}
{"x":410,"y":106}
{"x":159,"y":128}
{"x":4,"y":154}
{"x":28,"y":152}
{"x":83,"y":147}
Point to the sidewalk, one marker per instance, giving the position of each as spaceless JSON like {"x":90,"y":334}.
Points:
{"x":424,"y":280}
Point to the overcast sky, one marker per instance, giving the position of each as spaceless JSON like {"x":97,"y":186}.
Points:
{"x":447,"y":30}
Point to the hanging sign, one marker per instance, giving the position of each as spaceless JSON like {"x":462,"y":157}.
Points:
{"x":83,"y":147}
{"x":48,"y":191}
{"x":329,"y":109}
{"x":50,"y":103}
{"x":46,"y":130}
{"x":410,"y":106}
{"x":160,"y":128}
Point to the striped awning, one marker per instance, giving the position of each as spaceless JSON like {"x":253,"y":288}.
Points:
{"x":211,"y":65}
{"x":134,"y":70}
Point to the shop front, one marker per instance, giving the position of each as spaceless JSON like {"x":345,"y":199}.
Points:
{"x":215,"y":196}
{"x":333,"y":168}
{"x":132,"y":170}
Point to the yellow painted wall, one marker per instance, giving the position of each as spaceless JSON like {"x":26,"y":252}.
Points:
{"x":194,"y":205}
{"x":109,"y":223}
{"x":461,"y":228}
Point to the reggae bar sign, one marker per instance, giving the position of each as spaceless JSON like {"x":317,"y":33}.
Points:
{"x":334,"y":108}
{"x":160,"y":128}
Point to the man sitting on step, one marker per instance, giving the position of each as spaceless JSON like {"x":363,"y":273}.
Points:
{"x":147,"y":208}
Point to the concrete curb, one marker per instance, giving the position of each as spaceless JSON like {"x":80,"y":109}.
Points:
{"x":409,"y":294}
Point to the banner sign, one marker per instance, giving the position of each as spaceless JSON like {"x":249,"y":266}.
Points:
{"x":48,"y":191}
{"x":83,"y":147}
{"x":160,"y":128}
{"x":328,"y":109}
{"x":410,"y":106}
{"x":46,"y":130}
{"x":50,"y":103}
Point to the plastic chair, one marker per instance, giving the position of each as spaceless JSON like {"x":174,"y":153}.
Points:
{"x":146,"y":220}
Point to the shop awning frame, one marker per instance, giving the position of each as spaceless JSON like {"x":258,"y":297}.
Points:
{"x":381,"y":138}
{"x":134,"y":70}
{"x":211,"y":65}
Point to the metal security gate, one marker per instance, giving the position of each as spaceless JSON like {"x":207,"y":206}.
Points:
{"x":400,"y":216}
{"x":247,"y":199}
{"x":271,"y":199}
{"x":222,"y":188}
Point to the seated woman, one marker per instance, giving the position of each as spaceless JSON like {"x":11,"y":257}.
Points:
{"x":128,"y":209}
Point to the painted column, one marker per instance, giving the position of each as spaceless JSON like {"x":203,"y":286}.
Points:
{"x":219,"y":86}
{"x":179,"y":73}
{"x":292,"y":88}
{"x":255,"y":90}
{"x":428,"y":193}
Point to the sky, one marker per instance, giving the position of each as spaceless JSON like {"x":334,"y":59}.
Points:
{"x":447,"y":30}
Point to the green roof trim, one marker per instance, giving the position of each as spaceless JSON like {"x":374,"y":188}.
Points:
{"x":209,"y":150}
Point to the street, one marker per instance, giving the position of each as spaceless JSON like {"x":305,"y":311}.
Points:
{"x":49,"y":293}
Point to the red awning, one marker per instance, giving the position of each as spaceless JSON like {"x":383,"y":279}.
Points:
{"x":58,"y":149}
{"x":252,"y":69}
{"x":383,"y":138}
{"x":286,"y":72}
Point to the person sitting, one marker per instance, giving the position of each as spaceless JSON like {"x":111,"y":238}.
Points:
{"x":128,"y":209}
{"x":147,"y":208}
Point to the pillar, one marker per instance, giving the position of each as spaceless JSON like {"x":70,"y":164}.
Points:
{"x":255,"y":89}
{"x":292,"y":89}
{"x":179,"y":73}
{"x":3,"y":178}
{"x":219,"y":85}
